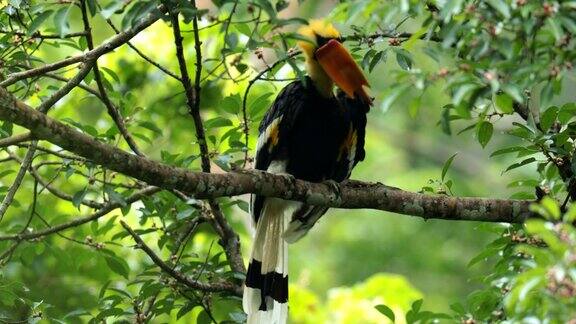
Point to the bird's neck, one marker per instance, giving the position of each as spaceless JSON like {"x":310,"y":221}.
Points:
{"x":320,"y":79}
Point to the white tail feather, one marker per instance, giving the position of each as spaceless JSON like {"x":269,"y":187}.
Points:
{"x":272,"y":251}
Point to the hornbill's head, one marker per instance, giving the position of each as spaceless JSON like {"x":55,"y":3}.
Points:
{"x":328,"y":62}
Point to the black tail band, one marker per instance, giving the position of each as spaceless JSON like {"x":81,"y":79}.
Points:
{"x":271,"y":284}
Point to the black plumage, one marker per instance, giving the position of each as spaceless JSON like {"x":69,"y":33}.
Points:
{"x":311,"y":135}
{"x":313,"y":138}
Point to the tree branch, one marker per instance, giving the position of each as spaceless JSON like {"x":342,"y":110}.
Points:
{"x":16,"y":139}
{"x":47,"y":184}
{"x":230,"y":239}
{"x":112,"y":110}
{"x":38,"y":34}
{"x":82,"y":220}
{"x":203,"y":185}
{"x":180,"y":277}
{"x":26,"y":162}
{"x":144,"y":56}
{"x":106,"y":47}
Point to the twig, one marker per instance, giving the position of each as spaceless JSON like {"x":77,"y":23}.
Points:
{"x":82,"y":220}
{"x":225,"y":37}
{"x":18,"y":180}
{"x":71,"y":84}
{"x":56,"y":192}
{"x":38,"y":34}
{"x":230,"y":239}
{"x":144,"y":56}
{"x":359,"y":37}
{"x":81,"y":86}
{"x":106,"y":47}
{"x":192,"y":93}
{"x":15,"y":139}
{"x":55,"y":153}
{"x":112,"y":110}
{"x":214,"y":286}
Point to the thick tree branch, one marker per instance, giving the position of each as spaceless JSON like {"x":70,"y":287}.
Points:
{"x":352,"y":194}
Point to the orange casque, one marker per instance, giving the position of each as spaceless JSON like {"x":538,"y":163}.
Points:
{"x":343,"y":70}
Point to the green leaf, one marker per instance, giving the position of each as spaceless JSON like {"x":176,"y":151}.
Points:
{"x":117,"y":265}
{"x":232,"y":104}
{"x":507,"y":150}
{"x":445,"y":121}
{"x":375,"y":60}
{"x":548,"y":118}
{"x":112,"y":8}
{"x":386,"y":311}
{"x":417,"y":305}
{"x":403,"y":58}
{"x":504,"y":103}
{"x":38,"y":20}
{"x":232,"y":40}
{"x":394,"y":94}
{"x":447,"y":165}
{"x":546,"y":94}
{"x":551,"y":207}
{"x":462,"y":91}
{"x":517,"y":165}
{"x":556,"y":28}
{"x":243,"y":29}
{"x":458,"y":308}
{"x":92,"y":6}
{"x":110,"y":73}
{"x":61,"y":20}
{"x":217,"y":122}
{"x":203,"y":318}
{"x":501,"y":6}
{"x":484,"y":132}
{"x":259,"y":104}
{"x":151,"y":126}
{"x":514,"y":92}
{"x":114,"y":196}
{"x":79,"y":197}
{"x":5,"y":173}
{"x":186,"y":309}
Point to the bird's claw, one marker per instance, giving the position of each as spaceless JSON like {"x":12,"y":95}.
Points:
{"x":335,"y":187}
{"x":289,"y":178}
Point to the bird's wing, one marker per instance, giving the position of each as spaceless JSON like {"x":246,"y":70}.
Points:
{"x":351,"y":152}
{"x":271,"y":150}
{"x":352,"y":149}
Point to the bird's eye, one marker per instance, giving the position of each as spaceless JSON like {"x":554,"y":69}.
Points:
{"x":321,"y":41}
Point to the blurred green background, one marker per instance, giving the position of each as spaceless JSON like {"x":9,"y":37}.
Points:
{"x":353,"y":259}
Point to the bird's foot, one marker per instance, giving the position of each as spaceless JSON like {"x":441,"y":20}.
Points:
{"x":335,"y":187}
{"x":288,"y":178}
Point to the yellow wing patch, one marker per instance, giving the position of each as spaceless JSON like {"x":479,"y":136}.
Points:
{"x":274,"y":136}
{"x":270,"y":136}
{"x":349,"y":143}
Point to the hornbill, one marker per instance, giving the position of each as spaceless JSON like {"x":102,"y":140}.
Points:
{"x":308,"y":133}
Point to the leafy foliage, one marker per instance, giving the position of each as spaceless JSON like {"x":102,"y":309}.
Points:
{"x":498,"y":71}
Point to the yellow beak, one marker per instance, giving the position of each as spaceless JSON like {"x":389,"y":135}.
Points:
{"x":343,"y":70}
